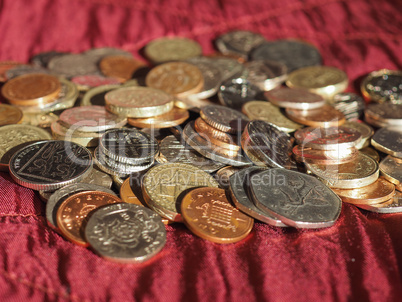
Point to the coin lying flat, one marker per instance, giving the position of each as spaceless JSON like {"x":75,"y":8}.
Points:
{"x":209,"y":215}
{"x":125,"y":232}
{"x":71,"y":65}
{"x":371,"y":152}
{"x":173,"y":118}
{"x":97,"y":53}
{"x":391,"y":169}
{"x":296,"y":98}
{"x":265,"y":74}
{"x":234,"y":93}
{"x":119,"y":67}
{"x":393,"y":205}
{"x":388,"y":140}
{"x":9,"y":115}
{"x":223,"y":118}
{"x":163,"y":185}
{"x":242,"y":199}
{"x":49,"y":165}
{"x":5,"y":66}
{"x":297,"y":199}
{"x":172,"y":49}
{"x":324,"y":157}
{"x":365,"y":130}
{"x":325,"y":116}
{"x":239,"y":42}
{"x":230,"y":68}
{"x":383,"y":86}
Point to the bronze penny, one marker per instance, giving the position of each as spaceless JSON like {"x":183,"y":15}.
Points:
{"x":209,"y":215}
{"x":73,"y":212}
{"x":120,"y":67}
{"x":324,"y":157}
{"x":9,"y":115}
{"x":173,"y":118}
{"x":325,"y":116}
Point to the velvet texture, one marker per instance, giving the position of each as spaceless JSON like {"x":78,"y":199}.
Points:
{"x":358,"y":259}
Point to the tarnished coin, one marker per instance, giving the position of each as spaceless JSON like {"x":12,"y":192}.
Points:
{"x":173,"y":118}
{"x":239,"y":42}
{"x":86,"y":139}
{"x":73,"y":212}
{"x":272,"y":146}
{"x":49,"y":165}
{"x":383,"y":115}
{"x":172,"y":49}
{"x":86,"y":82}
{"x":294,"y":54}
{"x":240,"y":195}
{"x":393,"y":205}
{"x":324,"y":157}
{"x":325,"y":116}
{"x":391,"y":169}
{"x":350,"y":104}
{"x":120,"y":67}
{"x":31,"y":89}
{"x":14,"y":137}
{"x":96,"y":96}
{"x":127,"y":195}
{"x":224,"y":119}
{"x":365,"y":130}
{"x":57,"y":198}
{"x":223,"y":174}
{"x":388,"y":140}
{"x":209,"y":215}
{"x":230,"y":68}
{"x":379,"y":191}
{"x":71,"y":65}
{"x":125,"y":233}
{"x":297,"y":199}
{"x":383,"y":86}
{"x":265,"y":111}
{"x":173,"y":151}
{"x":176,"y":78}
{"x":234,"y":93}
{"x":9,"y":115}
{"x":138,"y":102}
{"x":264,"y":74}
{"x":331,"y":138}
{"x":91,"y":119}
{"x":322,"y":80}
{"x":163,"y":185}
{"x":355,"y":174}
{"x":295,"y":98}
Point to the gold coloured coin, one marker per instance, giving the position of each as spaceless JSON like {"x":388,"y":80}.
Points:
{"x":9,"y":115}
{"x":393,"y":205}
{"x":324,"y":157}
{"x":371,"y":152}
{"x":325,"y":116}
{"x":119,"y":67}
{"x":86,"y":139}
{"x":173,"y":118}
{"x":209,"y":215}
{"x":391,"y":169}
{"x":365,"y":130}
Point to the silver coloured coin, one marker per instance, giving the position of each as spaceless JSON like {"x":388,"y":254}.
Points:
{"x":224,"y":119}
{"x":388,"y":140}
{"x":294,"y":54}
{"x":99,"y":178}
{"x":239,"y":42}
{"x":391,"y":169}
{"x":234,"y":93}
{"x":365,"y":130}
{"x":230,"y":68}
{"x":49,"y":165}
{"x":239,"y":191}
{"x":57,"y":198}
{"x":43,"y":58}
{"x":297,"y":199}
{"x":125,"y":232}
{"x":73,"y":65}
{"x":350,"y":104}
{"x":295,"y":98}
{"x":264,"y":74}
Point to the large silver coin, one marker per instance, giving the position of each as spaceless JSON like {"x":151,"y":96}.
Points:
{"x":242,"y":199}
{"x":239,"y":42}
{"x":125,"y":232}
{"x":43,"y":58}
{"x":350,"y":104}
{"x":383,"y":115}
{"x":388,"y":140}
{"x":297,"y":199}
{"x":234,"y":93}
{"x":266,"y":75}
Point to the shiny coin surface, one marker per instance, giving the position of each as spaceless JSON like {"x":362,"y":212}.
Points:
{"x":388,"y":140}
{"x":234,"y":93}
{"x":383,"y":86}
{"x":385,"y":114}
{"x":9,"y":115}
{"x":71,"y":65}
{"x":172,"y":49}
{"x":138,"y":102}
{"x":240,"y":195}
{"x":239,"y":42}
{"x":176,"y":78}
{"x":322,"y":80}
{"x":73,"y":211}
{"x":209,"y":215}
{"x":355,"y":174}
{"x":324,"y":157}
{"x":173,"y":118}
{"x":297,"y":199}
{"x":96,"y":96}
{"x":91,"y":119}
{"x":393,"y":205}
{"x":391,"y":169}
{"x":223,"y":118}
{"x":163,"y":185}
{"x":325,"y":116}
{"x":125,"y":232}
{"x":127,"y":195}
{"x":377,"y":192}
{"x":350,"y":104}
{"x":120,"y":67}
{"x":49,"y":165}
{"x":265,"y":111}
{"x":365,"y":130}
{"x":296,"y":98}
{"x":173,"y":151}
{"x":264,"y":74}
{"x":222,"y":176}
{"x":294,"y":54}
{"x":86,"y":139}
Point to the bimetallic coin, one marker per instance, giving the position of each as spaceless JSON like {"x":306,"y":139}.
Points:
{"x":234,"y":93}
{"x":391,"y":169}
{"x":240,"y":195}
{"x":355,"y":174}
{"x":385,"y":114}
{"x":223,"y":118}
{"x":350,"y":104}
{"x":264,"y":74}
{"x":393,"y":205}
{"x":209,"y":215}
{"x":127,"y":195}
{"x":325,"y":116}
{"x":265,"y":111}
{"x":71,"y":65}
{"x":239,"y":42}
{"x":120,"y":67}
{"x":9,"y":115}
{"x":73,"y":212}
{"x":163,"y":185}
{"x":173,"y":118}
{"x":86,"y":139}
{"x":297,"y":199}
{"x":383,"y":86}
{"x":388,"y":140}
{"x":223,"y":174}
{"x":365,"y":130}
{"x":322,"y":80}
{"x":172,"y":49}
{"x":125,"y":233}
{"x":324,"y":157}
{"x":96,"y":96}
{"x":295,"y":98}
{"x":138,"y":102}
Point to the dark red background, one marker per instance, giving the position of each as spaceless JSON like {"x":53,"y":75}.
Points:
{"x":360,"y":258}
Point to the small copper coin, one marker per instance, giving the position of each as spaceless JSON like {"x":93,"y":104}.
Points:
{"x":296,"y":98}
{"x":73,"y":212}
{"x":209,"y":215}
{"x":379,"y":191}
{"x":31,"y":89}
{"x":325,"y":116}
{"x":324,"y":157}
{"x":9,"y":115}
{"x":219,"y":138}
{"x":119,"y":67}
{"x":173,"y":118}
{"x":127,"y":195}
{"x":177,"y":78}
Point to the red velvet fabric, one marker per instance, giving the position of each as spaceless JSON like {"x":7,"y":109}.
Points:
{"x":358,"y":259}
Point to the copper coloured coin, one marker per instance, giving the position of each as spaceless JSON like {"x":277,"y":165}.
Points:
{"x":173,"y":118}
{"x":325,"y":116}
{"x":296,"y":98}
{"x":324,"y":157}
{"x":9,"y":115}
{"x":120,"y":67}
